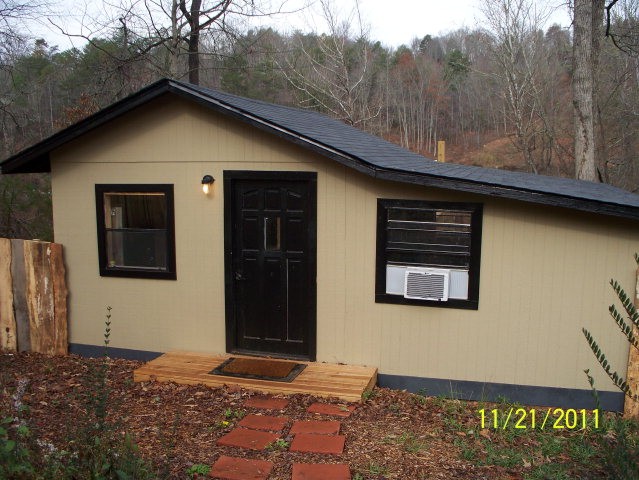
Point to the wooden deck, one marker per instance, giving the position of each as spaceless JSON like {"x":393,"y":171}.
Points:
{"x":346,"y":382}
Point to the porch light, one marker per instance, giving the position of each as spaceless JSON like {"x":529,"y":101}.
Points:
{"x":207,"y":181}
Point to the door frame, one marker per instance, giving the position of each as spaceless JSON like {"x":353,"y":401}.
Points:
{"x":230,"y":177}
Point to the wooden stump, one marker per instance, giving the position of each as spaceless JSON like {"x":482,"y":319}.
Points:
{"x":8,"y":331}
{"x":631,"y":407}
{"x":20,"y":308}
{"x":60,"y":292}
{"x":39,"y":295}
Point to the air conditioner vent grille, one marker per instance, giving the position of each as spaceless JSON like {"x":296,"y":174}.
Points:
{"x":427,"y":284}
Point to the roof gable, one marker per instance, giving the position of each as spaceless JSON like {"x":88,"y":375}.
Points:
{"x":354,"y":148}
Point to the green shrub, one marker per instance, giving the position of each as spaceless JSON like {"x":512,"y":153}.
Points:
{"x":15,"y":455}
{"x":626,"y":327}
{"x":620,"y":445}
{"x":619,"y":438}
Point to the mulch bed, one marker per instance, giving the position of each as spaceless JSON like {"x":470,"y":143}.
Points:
{"x":178,"y":425}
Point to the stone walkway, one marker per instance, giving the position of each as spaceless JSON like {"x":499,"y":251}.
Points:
{"x":256,"y":432}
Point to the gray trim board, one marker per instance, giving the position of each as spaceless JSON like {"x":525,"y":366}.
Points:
{"x":524,"y":394}
{"x":95,"y":351}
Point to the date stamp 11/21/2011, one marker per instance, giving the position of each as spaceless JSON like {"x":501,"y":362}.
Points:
{"x":543,"y":419}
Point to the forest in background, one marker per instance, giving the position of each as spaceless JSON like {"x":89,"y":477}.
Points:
{"x":500,"y":95}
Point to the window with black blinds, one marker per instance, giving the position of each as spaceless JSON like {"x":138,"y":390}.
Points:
{"x":438,"y":235}
{"x":428,"y":237}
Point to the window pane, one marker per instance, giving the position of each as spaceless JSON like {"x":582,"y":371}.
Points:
{"x":436,"y":260}
{"x":135,"y":210}
{"x":272,"y":233}
{"x":429,"y":237}
{"x":429,"y":215}
{"x":140,"y":249}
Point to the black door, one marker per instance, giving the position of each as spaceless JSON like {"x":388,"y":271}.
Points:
{"x":270,"y":226}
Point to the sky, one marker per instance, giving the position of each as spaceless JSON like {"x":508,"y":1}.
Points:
{"x":408,"y":19}
{"x":392,"y":26}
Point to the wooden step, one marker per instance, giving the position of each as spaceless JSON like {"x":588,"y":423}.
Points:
{"x":347,"y":382}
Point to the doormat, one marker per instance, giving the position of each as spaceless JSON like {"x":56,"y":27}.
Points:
{"x":259,"y":369}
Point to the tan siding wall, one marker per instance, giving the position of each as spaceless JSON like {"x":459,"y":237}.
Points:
{"x":544,"y":271}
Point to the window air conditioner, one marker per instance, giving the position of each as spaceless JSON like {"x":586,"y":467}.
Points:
{"x":426,"y":284}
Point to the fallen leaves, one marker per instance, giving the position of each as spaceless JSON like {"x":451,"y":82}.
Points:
{"x":177,"y":426}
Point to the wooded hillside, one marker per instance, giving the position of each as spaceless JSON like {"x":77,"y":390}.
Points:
{"x":500,"y":94}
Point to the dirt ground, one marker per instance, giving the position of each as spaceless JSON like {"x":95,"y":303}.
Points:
{"x":392,"y":435}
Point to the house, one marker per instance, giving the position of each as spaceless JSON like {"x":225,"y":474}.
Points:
{"x":322,"y":242}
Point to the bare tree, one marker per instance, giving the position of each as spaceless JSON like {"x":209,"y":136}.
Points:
{"x":13,"y":44}
{"x":168,"y":30}
{"x":622,"y":26}
{"x":417,"y":98}
{"x":333,"y":72}
{"x":517,"y":48}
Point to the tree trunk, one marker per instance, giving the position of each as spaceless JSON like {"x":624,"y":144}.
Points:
{"x":173,"y":43}
{"x":194,"y":43}
{"x":598,"y":33}
{"x":583,"y":90}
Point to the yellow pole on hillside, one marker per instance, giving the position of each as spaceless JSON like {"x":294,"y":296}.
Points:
{"x":441,"y":151}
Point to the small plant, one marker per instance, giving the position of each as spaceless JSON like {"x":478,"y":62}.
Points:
{"x":451,"y":421}
{"x":222,"y":424}
{"x":199,"y":469}
{"x":279,"y":444}
{"x":411,"y":443}
{"x":168,"y":440}
{"x":551,"y":445}
{"x":467,"y":452}
{"x":556,"y":471}
{"x":502,"y":457}
{"x":420,"y":397}
{"x":580,"y":450}
{"x":376,"y":469}
{"x":368,"y":395}
{"x":408,"y":440}
{"x":230,"y":414}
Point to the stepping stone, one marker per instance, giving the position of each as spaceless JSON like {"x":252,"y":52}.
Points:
{"x":264,"y":422}
{"x":267,"y":403}
{"x":321,"y":471}
{"x":331,"y":409}
{"x":245,"y":438}
{"x":232,"y":468}
{"x":312,"y":443}
{"x":319,"y":427}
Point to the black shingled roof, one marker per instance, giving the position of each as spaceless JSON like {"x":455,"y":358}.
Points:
{"x":354,"y":148}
